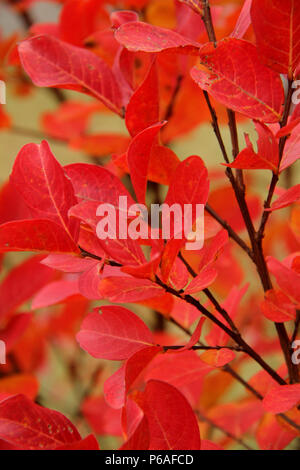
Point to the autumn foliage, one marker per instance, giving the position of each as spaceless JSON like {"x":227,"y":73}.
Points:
{"x":161,"y":347}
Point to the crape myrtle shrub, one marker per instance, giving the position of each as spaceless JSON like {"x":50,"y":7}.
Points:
{"x":210,"y":361}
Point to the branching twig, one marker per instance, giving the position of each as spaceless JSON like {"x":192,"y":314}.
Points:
{"x":238,"y":187}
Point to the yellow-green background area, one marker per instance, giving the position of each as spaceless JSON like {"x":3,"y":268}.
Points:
{"x":58,"y":389}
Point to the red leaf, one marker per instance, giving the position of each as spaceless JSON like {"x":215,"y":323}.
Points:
{"x":129,"y":290}
{"x":43,"y":185}
{"x":279,"y":47}
{"x":15,"y":329}
{"x":185,"y":314}
{"x":138,"y":36}
{"x":267,"y":156}
{"x":245,"y":93}
{"x":287,"y":279}
{"x":204,"y":279}
{"x":53,"y":63}
{"x":140,"y":439}
{"x":231,"y":211}
{"x":100,"y":145}
{"x":196,"y":5}
{"x":22,"y":283}
{"x":143,"y":108}
{"x":138,"y":157}
{"x":94,"y":183}
{"x":209,"y":445}
{"x":144,"y":271}
{"x":35,"y":235}
{"x":89,"y":281}
{"x":195,"y":336}
{"x":287,"y":198}
{"x":271,"y":435}
{"x":169,"y":257}
{"x":68,"y":263}
{"x":26,"y":384}
{"x":117,"y":387}
{"x":69,"y":120}
{"x":216,"y":336}
{"x":282,"y":398}
{"x":39,"y":235}
{"x":190,"y":183}
{"x":291,"y":149}
{"x":243,"y":22}
{"x":171,"y":420}
{"x":211,"y":252}
{"x":114,"y":388}
{"x":54,"y":293}
{"x":237,"y":418}
{"x":79,"y":19}
{"x":25,"y":425}
{"x":103,"y":419}
{"x":115,"y":333}
{"x":278,"y":307}
{"x":217,"y":358}
{"x":118,"y":17}
{"x":162,"y":165}
{"x":184,"y":371}
{"x":12,"y":205}
{"x":88,"y":443}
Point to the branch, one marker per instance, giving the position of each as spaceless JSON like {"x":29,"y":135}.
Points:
{"x":296,"y":328}
{"x":204,"y":348}
{"x":235,"y":148}
{"x":207,"y":20}
{"x":235,"y":336}
{"x":230,"y":230}
{"x":275,"y":178}
{"x":227,"y":368}
{"x":238,"y":187}
{"x":171,"y":105}
{"x":216,"y":127}
{"x":211,"y":297}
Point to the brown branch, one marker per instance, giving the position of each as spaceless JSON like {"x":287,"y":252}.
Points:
{"x":216,"y":127}
{"x":235,"y":336}
{"x":274,"y":181}
{"x":231,"y":232}
{"x":204,"y":348}
{"x":170,"y":109}
{"x":238,"y":187}
{"x":235,"y":148}
{"x":211,"y":297}
{"x":227,"y":368}
{"x":207,"y":20}
{"x":296,"y":327}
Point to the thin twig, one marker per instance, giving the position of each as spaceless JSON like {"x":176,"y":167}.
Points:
{"x":204,"y":348}
{"x":230,"y":230}
{"x":170,"y":108}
